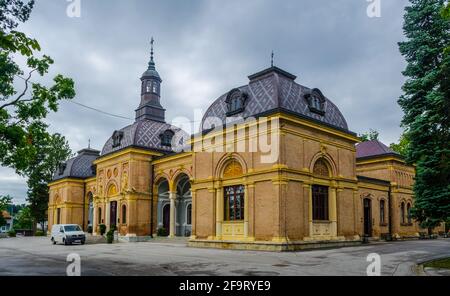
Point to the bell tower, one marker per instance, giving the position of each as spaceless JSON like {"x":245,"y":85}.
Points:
{"x":150,"y":106}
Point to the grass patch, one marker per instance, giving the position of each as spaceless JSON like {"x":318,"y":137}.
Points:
{"x":440,"y":263}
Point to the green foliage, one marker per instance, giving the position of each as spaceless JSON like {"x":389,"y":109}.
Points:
{"x":24,"y":219}
{"x":12,"y":233}
{"x":22,"y":109}
{"x":5,"y":202}
{"x":161,"y":231}
{"x":426,"y":107}
{"x":50,"y":151}
{"x":2,"y":220}
{"x":110,"y":236}
{"x":402,"y":146}
{"x":12,"y":11}
{"x":369,"y":136}
{"x":102,"y":228}
{"x":39,"y":233}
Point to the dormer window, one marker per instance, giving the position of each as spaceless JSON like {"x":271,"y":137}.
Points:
{"x":61,"y":168}
{"x":316,"y":101}
{"x":93,"y":169}
{"x":235,"y":101}
{"x":166,"y":138}
{"x":117,"y":138}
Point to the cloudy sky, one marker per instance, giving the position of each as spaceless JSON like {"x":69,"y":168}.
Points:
{"x":205,"y":48}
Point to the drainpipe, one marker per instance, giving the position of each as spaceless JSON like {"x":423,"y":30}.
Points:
{"x":151,"y":199}
{"x":390,"y":212}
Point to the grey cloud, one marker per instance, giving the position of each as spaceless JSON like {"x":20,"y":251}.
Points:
{"x":205,"y":48}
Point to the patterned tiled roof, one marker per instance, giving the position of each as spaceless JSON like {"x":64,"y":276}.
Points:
{"x":146,"y":134}
{"x":273,"y":89}
{"x":373,"y":148}
{"x":80,"y":166}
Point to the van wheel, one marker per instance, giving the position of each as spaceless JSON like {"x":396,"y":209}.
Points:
{"x":53,"y":241}
{"x":65,"y":242}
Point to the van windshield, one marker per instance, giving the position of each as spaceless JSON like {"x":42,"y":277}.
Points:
{"x":72,"y":228}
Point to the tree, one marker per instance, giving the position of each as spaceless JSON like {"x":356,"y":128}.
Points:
{"x":5,"y":202}
{"x":51,"y":150}
{"x":369,"y":136}
{"x":402,"y":146}
{"x":23,"y":219}
{"x":21,"y":110}
{"x":426,"y":106}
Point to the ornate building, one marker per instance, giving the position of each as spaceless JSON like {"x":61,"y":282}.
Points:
{"x":321,"y":189}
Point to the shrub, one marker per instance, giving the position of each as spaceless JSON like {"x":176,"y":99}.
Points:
{"x":12,"y":233}
{"x":89,"y":229}
{"x":161,"y":232}
{"x":110,"y":236}
{"x":39,"y":233}
{"x":102,"y":229}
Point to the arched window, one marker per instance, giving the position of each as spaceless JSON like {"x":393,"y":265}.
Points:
{"x":124,"y":214}
{"x":408,"y":212}
{"x":316,"y":101}
{"x":99,"y":216}
{"x":189,"y":214}
{"x":148,"y":86}
{"x":402,"y":209}
{"x":382,"y":211}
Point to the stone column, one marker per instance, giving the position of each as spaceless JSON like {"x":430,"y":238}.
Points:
{"x":219,"y":212}
{"x":106,"y":215}
{"x":332,"y":202}
{"x":172,"y":197}
{"x":193,"y":215}
{"x":94,"y":219}
{"x":310,"y":209}
{"x":246,"y":211}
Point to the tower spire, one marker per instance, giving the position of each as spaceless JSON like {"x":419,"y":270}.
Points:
{"x":271,"y":59}
{"x":151,"y":64}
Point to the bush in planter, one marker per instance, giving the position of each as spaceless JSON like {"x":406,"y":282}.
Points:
{"x":161,"y":232}
{"x":39,"y":233}
{"x":110,"y":236}
{"x":89,"y":229}
{"x":102,"y":228}
{"x":12,"y":233}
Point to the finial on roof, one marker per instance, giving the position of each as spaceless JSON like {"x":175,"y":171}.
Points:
{"x":151,"y":64}
{"x":271,"y":60}
{"x":89,"y":143}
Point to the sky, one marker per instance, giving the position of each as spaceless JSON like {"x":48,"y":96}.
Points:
{"x":206,"y":48}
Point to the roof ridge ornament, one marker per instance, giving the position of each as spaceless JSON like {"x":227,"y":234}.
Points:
{"x":271,"y":60}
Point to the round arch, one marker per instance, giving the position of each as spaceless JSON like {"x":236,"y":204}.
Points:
{"x":224,"y":161}
{"x":327,"y":159}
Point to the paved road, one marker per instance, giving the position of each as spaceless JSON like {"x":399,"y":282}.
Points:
{"x":36,"y":256}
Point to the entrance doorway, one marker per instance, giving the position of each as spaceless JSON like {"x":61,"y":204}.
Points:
{"x":113,"y":214}
{"x":367,"y":217}
{"x":166,"y":218}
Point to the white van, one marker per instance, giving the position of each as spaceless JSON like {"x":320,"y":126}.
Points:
{"x":67,"y":234}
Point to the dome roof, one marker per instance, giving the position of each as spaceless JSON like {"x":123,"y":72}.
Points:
{"x":78,"y":167}
{"x":275,"y":89}
{"x":146,"y":134}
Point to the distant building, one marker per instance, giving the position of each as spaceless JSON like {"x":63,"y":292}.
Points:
{"x":9,"y":222}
